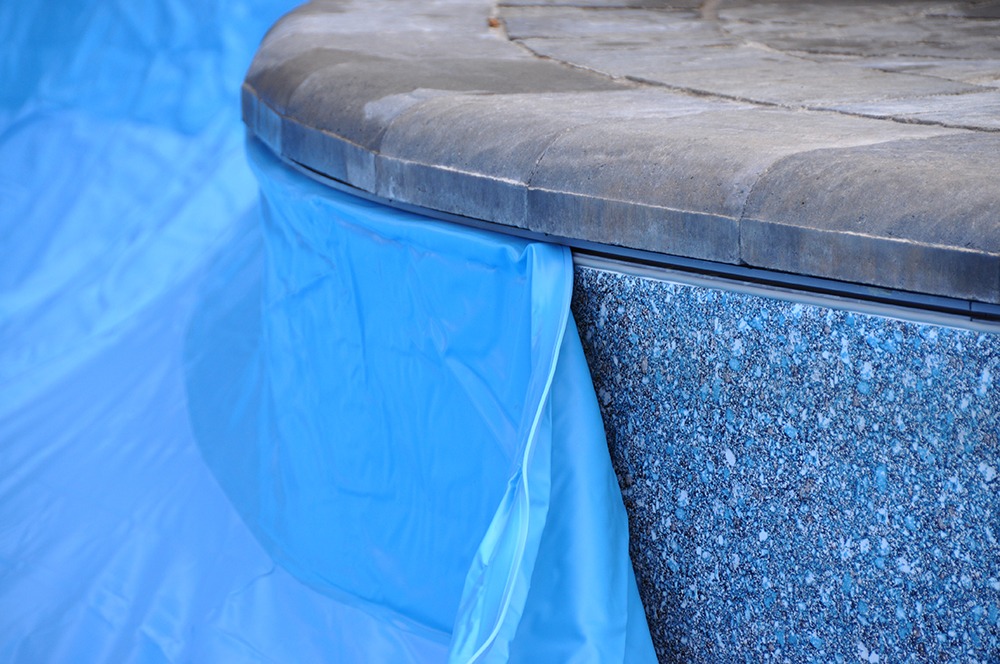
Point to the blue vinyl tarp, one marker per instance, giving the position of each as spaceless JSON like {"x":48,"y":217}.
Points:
{"x":294,"y":427}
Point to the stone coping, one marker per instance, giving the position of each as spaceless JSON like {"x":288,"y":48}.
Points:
{"x":847,"y":140}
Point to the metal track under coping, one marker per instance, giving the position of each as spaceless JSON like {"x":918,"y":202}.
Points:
{"x":916,"y":307}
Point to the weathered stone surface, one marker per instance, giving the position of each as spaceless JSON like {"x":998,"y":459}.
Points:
{"x":933,"y":29}
{"x":977,"y":110}
{"x":690,"y":173}
{"x":740,"y":72}
{"x":335,"y":99}
{"x":743,"y":132}
{"x":482,"y":165}
{"x":574,"y":22}
{"x":812,"y":210}
{"x":983,"y":73}
{"x":605,"y":4}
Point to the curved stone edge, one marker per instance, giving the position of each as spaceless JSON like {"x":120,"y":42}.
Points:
{"x":442,"y":112}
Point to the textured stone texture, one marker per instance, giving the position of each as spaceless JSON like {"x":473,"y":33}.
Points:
{"x":803,"y":484}
{"x":686,"y":179}
{"x":485,"y":174}
{"x":746,"y":133}
{"x":811,"y":209}
{"x":738,"y":71}
{"x":431,"y":106}
{"x":979,"y":110}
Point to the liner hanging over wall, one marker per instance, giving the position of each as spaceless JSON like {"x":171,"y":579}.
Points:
{"x":358,"y":435}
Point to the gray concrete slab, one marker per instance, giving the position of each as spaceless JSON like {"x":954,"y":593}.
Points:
{"x":742,"y":71}
{"x":738,"y":131}
{"x":931,"y":210}
{"x":983,"y":73}
{"x":573,"y":21}
{"x":976,"y":110}
{"x":485,"y":173}
{"x":692,"y":173}
{"x":605,"y":4}
{"x":911,"y":28}
{"x":334,"y":99}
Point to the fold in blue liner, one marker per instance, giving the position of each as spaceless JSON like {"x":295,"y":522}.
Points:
{"x":332,"y":431}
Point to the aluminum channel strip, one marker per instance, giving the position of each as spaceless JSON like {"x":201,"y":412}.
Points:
{"x":813,"y":291}
{"x":826,"y":300}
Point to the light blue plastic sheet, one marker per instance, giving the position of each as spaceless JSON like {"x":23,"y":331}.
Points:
{"x":328,"y":432}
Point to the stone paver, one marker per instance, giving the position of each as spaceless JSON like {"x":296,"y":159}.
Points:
{"x":847,"y":140}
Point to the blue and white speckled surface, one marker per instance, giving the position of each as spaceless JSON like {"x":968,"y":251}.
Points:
{"x":803,"y":484}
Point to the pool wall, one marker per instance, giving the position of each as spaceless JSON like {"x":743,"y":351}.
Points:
{"x":810,"y":473}
{"x":803,"y":483}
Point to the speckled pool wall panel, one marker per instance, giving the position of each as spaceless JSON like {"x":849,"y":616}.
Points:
{"x":803,"y":483}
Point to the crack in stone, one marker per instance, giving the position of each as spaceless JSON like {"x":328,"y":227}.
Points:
{"x":709,"y":10}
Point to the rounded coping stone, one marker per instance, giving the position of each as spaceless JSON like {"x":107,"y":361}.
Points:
{"x":845,"y":140}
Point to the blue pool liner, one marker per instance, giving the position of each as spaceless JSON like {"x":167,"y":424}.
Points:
{"x":287,"y":428}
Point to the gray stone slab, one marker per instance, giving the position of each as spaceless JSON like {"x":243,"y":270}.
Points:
{"x":689,"y":176}
{"x":607,"y":4}
{"x":340,"y":107}
{"x":484,"y":173}
{"x":914,"y":28}
{"x":741,"y":72}
{"x":380,"y":29}
{"x":978,"y":110}
{"x":919,"y":215}
{"x":327,"y":106}
{"x":836,"y":12}
{"x":398,"y":44}
{"x":334,"y":99}
{"x":555,"y":22}
{"x":329,"y":154}
{"x":647,"y":124}
{"x":689,"y":233}
{"x":373,"y":17}
{"x":274,"y":85}
{"x":261,"y":120}
{"x":989,"y":9}
{"x":983,"y":72}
